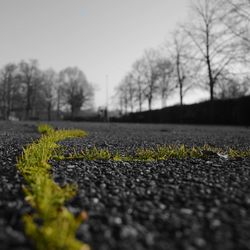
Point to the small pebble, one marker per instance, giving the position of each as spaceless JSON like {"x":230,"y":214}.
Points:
{"x":95,"y":200}
{"x":216,"y":223}
{"x":186,"y":211}
{"x":200,"y":242}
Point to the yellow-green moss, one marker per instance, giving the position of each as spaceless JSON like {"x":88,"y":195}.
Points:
{"x":51,"y":226}
{"x":234,"y":153}
{"x":154,"y":154}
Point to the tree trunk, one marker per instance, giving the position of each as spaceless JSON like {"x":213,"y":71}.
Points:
{"x":149,"y":103}
{"x":4,"y":108}
{"x":210,"y":74}
{"x":140,"y":103}
{"x":28,"y":106}
{"x":211,"y":91}
{"x":126,"y":108}
{"x":49,"y":111}
{"x":72,"y":111}
{"x":9,"y":98}
{"x":181,"y":94}
{"x":163,"y":101}
{"x":180,"y":79}
{"x":58,"y":104}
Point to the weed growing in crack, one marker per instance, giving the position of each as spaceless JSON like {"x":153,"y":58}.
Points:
{"x":234,"y":153}
{"x":57,"y":226}
{"x":154,"y":154}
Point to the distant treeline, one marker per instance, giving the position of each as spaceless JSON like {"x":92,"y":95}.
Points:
{"x":228,"y":112}
{"x":27,"y":92}
{"x":210,"y":51}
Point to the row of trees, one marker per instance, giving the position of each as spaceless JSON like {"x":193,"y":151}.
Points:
{"x":27,"y":92}
{"x":210,"y":51}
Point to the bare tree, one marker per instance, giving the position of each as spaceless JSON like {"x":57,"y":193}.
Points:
{"x":9,"y":89}
{"x":149,"y":75}
{"x":29,"y":76}
{"x":123,"y":97}
{"x":232,"y":87}
{"x":59,"y":99}
{"x":49,"y":82}
{"x":211,"y":40}
{"x":166,"y":84}
{"x":129,"y":89}
{"x":30,"y":93}
{"x":238,"y":19}
{"x":181,"y":57}
{"x":137,"y":73}
{"x":238,"y":22}
{"x":77,"y":91}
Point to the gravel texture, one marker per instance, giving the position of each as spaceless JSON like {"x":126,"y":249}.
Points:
{"x":13,"y":137}
{"x":175,"y":204}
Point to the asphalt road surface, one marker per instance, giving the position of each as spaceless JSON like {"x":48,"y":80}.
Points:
{"x":174,"y":204}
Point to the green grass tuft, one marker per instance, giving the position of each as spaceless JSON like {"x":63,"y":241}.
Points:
{"x":45,"y":129}
{"x":52,"y":226}
{"x":154,"y":154}
{"x":234,"y":153}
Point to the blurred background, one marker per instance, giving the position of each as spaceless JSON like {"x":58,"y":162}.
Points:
{"x":133,"y":61}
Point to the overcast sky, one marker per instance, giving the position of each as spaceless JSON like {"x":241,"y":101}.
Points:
{"x":101,"y":37}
